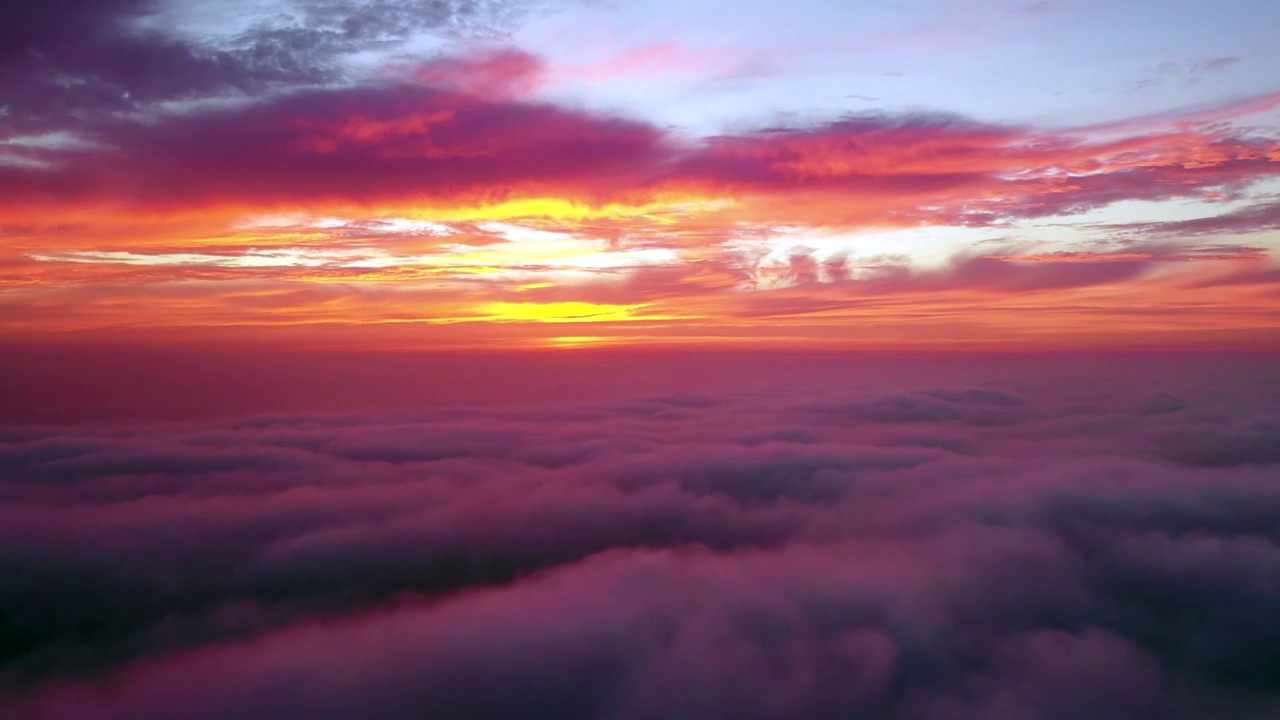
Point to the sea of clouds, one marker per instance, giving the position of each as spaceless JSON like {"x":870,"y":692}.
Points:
{"x":1052,"y":546}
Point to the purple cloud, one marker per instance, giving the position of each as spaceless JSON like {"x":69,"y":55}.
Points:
{"x":1035,"y":544}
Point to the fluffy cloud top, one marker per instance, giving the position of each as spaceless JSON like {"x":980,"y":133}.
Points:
{"x":1042,"y":546}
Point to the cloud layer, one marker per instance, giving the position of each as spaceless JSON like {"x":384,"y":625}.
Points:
{"x":448,"y":191}
{"x":1045,"y":545}
{"x":462,"y":134}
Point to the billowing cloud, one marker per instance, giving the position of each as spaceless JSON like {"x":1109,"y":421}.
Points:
{"x":1022,"y":544}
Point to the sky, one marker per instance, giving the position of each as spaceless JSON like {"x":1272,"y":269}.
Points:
{"x":499,"y":174}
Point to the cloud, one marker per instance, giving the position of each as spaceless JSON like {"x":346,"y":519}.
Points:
{"x":1216,"y":64}
{"x":1188,"y":73}
{"x":538,"y":207}
{"x":394,"y":144}
{"x":499,"y":74}
{"x":76,"y":58}
{"x":1250,"y":219}
{"x":1027,"y":543}
{"x":467,"y":133}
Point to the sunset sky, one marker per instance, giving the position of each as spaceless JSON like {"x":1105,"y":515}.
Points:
{"x":391,"y":174}
{"x":639,"y":360}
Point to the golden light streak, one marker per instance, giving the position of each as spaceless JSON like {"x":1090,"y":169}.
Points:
{"x":559,"y":312}
{"x":575,"y":341}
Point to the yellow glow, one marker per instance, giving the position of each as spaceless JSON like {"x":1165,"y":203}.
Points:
{"x":570,"y":341}
{"x":558,"y":312}
{"x":562,"y":209}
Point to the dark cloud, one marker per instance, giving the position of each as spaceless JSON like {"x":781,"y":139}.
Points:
{"x":68,"y":62}
{"x":888,"y":410}
{"x":1026,"y":544}
{"x":362,"y":145}
{"x":1161,"y":403}
{"x":972,"y":405}
{"x":978,"y":396}
{"x":464,"y":129}
{"x":1215,"y":448}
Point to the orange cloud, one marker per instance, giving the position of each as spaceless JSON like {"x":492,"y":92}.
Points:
{"x":456,"y":200}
